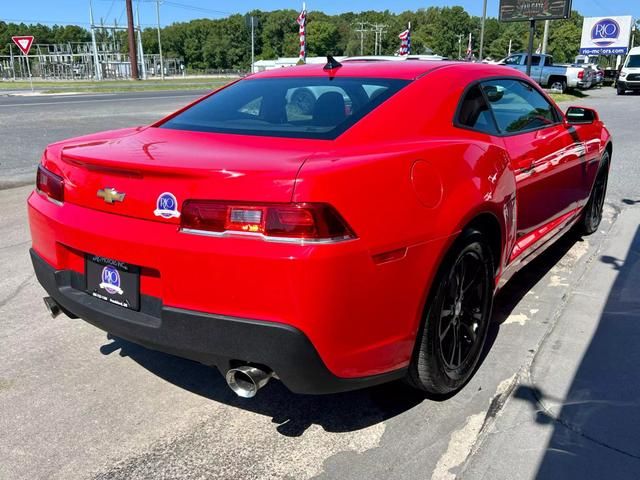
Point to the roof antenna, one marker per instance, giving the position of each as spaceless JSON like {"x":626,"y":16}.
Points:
{"x":331,"y":63}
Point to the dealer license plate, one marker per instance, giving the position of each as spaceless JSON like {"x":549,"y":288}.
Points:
{"x":113,"y":281}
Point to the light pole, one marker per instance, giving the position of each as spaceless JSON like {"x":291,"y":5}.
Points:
{"x":159,"y":40}
{"x":484,"y":17}
{"x":253,"y":44}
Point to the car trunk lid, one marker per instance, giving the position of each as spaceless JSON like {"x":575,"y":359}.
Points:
{"x":138,"y":175}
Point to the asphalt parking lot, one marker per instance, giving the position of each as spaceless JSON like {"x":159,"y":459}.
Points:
{"x":77,"y":403}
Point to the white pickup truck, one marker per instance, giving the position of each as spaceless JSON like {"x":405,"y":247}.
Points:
{"x":555,"y":77}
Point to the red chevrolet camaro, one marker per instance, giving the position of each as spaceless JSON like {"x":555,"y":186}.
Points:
{"x":333,"y":227}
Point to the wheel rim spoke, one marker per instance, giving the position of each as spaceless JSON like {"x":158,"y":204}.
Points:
{"x":462,"y":310}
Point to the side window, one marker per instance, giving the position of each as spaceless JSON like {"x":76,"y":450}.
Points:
{"x":535,"y":60}
{"x":517,"y":106}
{"x":474,"y":112}
{"x":513,"y":60}
{"x":548,"y":61}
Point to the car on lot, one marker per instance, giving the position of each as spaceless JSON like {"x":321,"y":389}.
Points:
{"x":550,"y":75}
{"x":360,"y":243}
{"x":629,"y":76}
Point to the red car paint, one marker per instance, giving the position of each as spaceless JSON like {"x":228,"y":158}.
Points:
{"x":404,"y":178}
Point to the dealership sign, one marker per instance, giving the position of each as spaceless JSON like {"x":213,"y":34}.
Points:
{"x":523,"y":10}
{"x":605,"y":35}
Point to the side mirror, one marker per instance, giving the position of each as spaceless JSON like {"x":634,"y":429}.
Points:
{"x":581,"y":115}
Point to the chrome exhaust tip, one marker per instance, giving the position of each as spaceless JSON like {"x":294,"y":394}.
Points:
{"x":245,"y":381}
{"x":52,"y":306}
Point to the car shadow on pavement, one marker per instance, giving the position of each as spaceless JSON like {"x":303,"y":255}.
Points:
{"x":343,"y":412}
{"x":293,"y":414}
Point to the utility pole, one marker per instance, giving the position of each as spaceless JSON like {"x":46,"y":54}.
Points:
{"x":159,"y":40}
{"x":140,"y":50}
{"x":375,"y":42}
{"x":361,"y":30}
{"x":253,"y":44}
{"x":509,"y":52}
{"x":96,"y":59}
{"x":379,"y":31}
{"x":484,"y":17}
{"x":545,"y":36}
{"x":133,"y":54}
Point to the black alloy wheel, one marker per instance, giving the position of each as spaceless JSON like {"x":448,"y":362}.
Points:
{"x":592,"y":215}
{"x":461,"y":312}
{"x":457,"y":319}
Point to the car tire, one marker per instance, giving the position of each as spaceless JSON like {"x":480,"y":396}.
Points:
{"x":304,"y":100}
{"x":559,"y":85}
{"x":454,"y":326}
{"x":620,"y":91}
{"x":592,"y":213}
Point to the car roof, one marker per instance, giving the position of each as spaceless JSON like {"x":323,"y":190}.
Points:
{"x":406,"y":70}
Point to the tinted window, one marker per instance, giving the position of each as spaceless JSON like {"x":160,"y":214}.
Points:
{"x":303,"y":107}
{"x":474,"y":112}
{"x":548,"y":61}
{"x":517,"y":106}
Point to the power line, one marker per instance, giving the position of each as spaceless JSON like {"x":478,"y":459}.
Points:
{"x":195,"y":8}
{"x":113,"y":2}
{"x":185,"y":6}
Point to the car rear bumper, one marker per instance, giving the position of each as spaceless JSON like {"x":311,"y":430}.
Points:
{"x":214,"y":340}
{"x":361,"y":316}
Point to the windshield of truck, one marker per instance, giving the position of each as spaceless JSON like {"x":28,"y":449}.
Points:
{"x":633,"y":61}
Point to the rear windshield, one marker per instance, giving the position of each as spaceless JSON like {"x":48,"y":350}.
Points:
{"x":633,"y":61}
{"x":299,"y":107}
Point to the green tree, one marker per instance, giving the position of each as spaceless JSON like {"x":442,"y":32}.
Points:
{"x":323,"y":38}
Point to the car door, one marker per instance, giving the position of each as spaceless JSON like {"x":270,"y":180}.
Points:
{"x":536,"y":68}
{"x":546,"y":155}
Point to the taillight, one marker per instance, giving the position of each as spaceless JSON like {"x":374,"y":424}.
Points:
{"x":581,"y":74}
{"x":50,"y":184}
{"x":307,"y":221}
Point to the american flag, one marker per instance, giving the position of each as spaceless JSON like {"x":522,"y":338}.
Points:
{"x":302,"y":21}
{"x":405,"y":42}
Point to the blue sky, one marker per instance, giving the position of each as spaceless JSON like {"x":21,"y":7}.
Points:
{"x":77,"y":11}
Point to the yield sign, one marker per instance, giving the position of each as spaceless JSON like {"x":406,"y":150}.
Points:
{"x":23,"y":43}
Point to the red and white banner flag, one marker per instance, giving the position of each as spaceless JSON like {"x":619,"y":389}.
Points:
{"x":469,"y":49}
{"x":302,"y":21}
{"x":405,"y":42}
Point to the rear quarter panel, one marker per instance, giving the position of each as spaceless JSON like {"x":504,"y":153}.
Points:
{"x":409,"y":186}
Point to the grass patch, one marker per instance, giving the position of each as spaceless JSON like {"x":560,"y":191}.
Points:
{"x":568,"y":96}
{"x":110,"y":86}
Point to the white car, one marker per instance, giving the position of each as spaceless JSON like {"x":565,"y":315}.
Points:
{"x":629,"y":77}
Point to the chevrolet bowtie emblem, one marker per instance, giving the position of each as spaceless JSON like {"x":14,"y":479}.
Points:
{"x":110,"y":195}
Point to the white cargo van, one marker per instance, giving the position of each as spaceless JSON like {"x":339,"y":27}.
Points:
{"x":629,"y":78}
